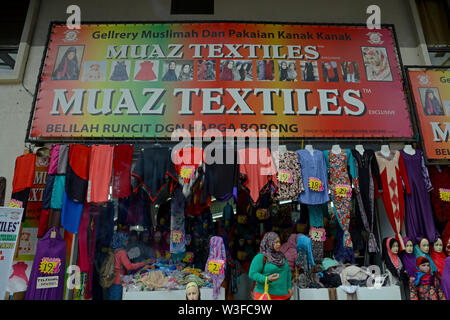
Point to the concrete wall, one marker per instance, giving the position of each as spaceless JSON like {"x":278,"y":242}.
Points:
{"x":16,"y":100}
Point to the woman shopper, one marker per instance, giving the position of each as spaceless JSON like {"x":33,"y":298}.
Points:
{"x":272,"y":264}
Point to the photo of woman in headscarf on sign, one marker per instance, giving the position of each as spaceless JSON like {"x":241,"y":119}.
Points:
{"x":432,"y":105}
{"x":68,"y":66}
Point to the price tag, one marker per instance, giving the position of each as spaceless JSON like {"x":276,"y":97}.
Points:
{"x":13,"y":203}
{"x":188,"y":257}
{"x":444,"y":194}
{"x":187,"y":172}
{"x":262,"y":214}
{"x":50,"y":265}
{"x":315,"y":184}
{"x":344,"y":190}
{"x":216,"y":266}
{"x":242,"y":219}
{"x":177,"y":236}
{"x":47,"y":282}
{"x":317,"y":234}
{"x":285,"y":176}
{"x":168,"y":256}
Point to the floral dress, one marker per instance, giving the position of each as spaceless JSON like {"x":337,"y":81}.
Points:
{"x":339,"y":181}
{"x":426,"y":291}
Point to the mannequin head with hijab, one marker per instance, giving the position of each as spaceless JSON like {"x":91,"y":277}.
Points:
{"x":438,"y":245}
{"x":424,"y":246}
{"x":409,"y":246}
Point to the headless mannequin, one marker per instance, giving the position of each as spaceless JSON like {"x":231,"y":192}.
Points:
{"x":360,"y":149}
{"x":409,"y":149}
{"x":309,"y":147}
{"x":385,"y":151}
{"x":336,"y":149}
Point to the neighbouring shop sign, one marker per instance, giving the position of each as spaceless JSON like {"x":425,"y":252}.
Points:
{"x":431,"y":90}
{"x":10,"y":219}
{"x":146,"y":80}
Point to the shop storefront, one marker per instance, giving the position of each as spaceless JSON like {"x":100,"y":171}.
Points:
{"x":169,"y":150}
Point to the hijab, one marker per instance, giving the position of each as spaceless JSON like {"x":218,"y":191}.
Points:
{"x":216,"y":252}
{"x":304,"y":247}
{"x":408,"y":260}
{"x":438,"y":259}
{"x":266,"y":248}
{"x":418,"y":253}
{"x":289,"y":248}
{"x":392,"y":261}
{"x":421,"y":277}
{"x":118,"y":240}
{"x":445,"y":279}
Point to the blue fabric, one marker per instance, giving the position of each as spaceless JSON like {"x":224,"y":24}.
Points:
{"x":118,"y":240}
{"x":315,"y":167}
{"x":115,"y":292}
{"x":58,"y":192}
{"x":316,"y":216}
{"x":304,"y":244}
{"x":71,"y":214}
{"x":418,"y":253}
{"x":342,"y":254}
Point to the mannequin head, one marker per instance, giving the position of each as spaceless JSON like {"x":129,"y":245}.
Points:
{"x":157,"y":237}
{"x":424,"y":245}
{"x":409,"y":246}
{"x":393,"y":244}
{"x":424,"y":266}
{"x":192,"y":291}
{"x":438,"y":245}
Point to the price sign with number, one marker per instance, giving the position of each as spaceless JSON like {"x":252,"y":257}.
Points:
{"x":188,"y":257}
{"x":262,"y":214}
{"x":187,"y":172}
{"x":317,"y":234}
{"x":315,"y":184}
{"x":168,"y":256}
{"x":344,"y":190}
{"x":177,"y":236}
{"x":444,"y":194}
{"x":285,"y":176}
{"x":242,"y":219}
{"x":13,"y":203}
{"x":50,"y":265}
{"x":216,"y":266}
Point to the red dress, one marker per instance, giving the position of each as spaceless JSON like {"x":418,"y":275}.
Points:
{"x":146,"y":73}
{"x":392,"y":172}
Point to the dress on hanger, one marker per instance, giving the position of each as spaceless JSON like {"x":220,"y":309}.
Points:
{"x":367,"y":168}
{"x":288,"y":163}
{"x":418,"y":212}
{"x":440,"y":178}
{"x":392,"y":171}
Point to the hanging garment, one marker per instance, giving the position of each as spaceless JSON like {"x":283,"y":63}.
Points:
{"x":290,"y":183}
{"x":418,"y":212}
{"x":63,"y":159}
{"x":146,"y":72}
{"x":440,"y":178}
{"x":86,"y":239}
{"x":71,"y":214}
{"x":100,"y":169}
{"x":316,"y":214}
{"x":54,"y":157}
{"x":49,"y":262}
{"x":189,"y":165}
{"x":257,"y":168}
{"x":314,"y":170}
{"x":339,"y":179}
{"x":77,"y":173}
{"x":393,"y":172}
{"x":123,"y":159}
{"x":154,"y":171}
{"x":23,"y":179}
{"x":44,"y":216}
{"x":445,"y":279}
{"x":58,"y":192}
{"x":367,"y":169}
{"x":215,"y":265}
{"x":177,"y":231}
{"x":222,"y":176}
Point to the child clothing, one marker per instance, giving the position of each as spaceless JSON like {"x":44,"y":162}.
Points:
{"x":146,"y":73}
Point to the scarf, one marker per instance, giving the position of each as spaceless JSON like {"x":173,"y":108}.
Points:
{"x":421,"y":277}
{"x":391,"y":259}
{"x":418,"y":253}
{"x":266,"y":248}
{"x":217,"y":253}
{"x":289,"y":248}
{"x":304,"y":246}
{"x":408,"y":260}
{"x":445,"y":279}
{"x":439,"y":260}
{"x":118,"y":240}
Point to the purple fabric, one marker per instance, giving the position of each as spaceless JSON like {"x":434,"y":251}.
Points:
{"x":54,"y":156}
{"x":216,"y":252}
{"x":408,"y":260}
{"x":445,"y":280}
{"x":418,"y":212}
{"x":49,"y":248}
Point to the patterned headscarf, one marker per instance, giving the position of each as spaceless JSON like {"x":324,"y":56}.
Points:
{"x":266,"y":248}
{"x":118,"y":240}
{"x":421,"y":277}
{"x":216,"y":252}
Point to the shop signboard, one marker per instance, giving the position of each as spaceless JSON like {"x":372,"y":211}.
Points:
{"x":131,"y":81}
{"x":10,"y":219}
{"x":430,"y":87}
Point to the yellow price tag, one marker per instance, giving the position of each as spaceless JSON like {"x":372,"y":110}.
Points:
{"x":315,"y":184}
{"x":444,"y":194}
{"x":177,"y":236}
{"x":343,"y":190}
{"x":317,"y":234}
{"x":50,"y":265}
{"x":262,"y":214}
{"x":15,"y":204}
{"x":188,"y":257}
{"x":168,"y":256}
{"x":285,"y":176}
{"x":187,"y":172}
{"x":215,"y":266}
{"x":242,"y":219}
